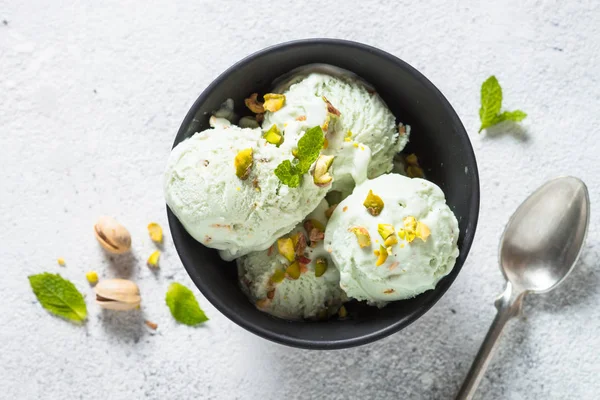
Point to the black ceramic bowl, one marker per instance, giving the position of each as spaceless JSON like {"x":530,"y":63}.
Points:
{"x":438,"y":138}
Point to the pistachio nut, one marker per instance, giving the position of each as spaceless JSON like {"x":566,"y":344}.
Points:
{"x":117,"y":294}
{"x":321,"y":175}
{"x":273,"y":101}
{"x":112,"y":236}
{"x":155,"y":231}
{"x":285,"y":246}
{"x":385,"y":230}
{"x":273,"y":136}
{"x":382,"y":255}
{"x":362,"y":236}
{"x":373,"y":204}
{"x":320,"y":266}
{"x":293,"y":270}
{"x":243,"y":163}
{"x":330,"y":108}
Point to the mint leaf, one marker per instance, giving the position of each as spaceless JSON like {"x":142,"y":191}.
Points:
{"x":491,"y":103}
{"x":59,"y":296}
{"x":516,"y":116}
{"x":309,"y":147}
{"x":184,"y":306}
{"x":288,"y":174}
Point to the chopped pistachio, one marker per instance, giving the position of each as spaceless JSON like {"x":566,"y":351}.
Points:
{"x":311,"y":223}
{"x":342,"y":313}
{"x":330,"y":211}
{"x":390,"y":241}
{"x":373,"y":204}
{"x":263,"y":303}
{"x":155,"y":232}
{"x":299,"y":241}
{"x":385,"y":230}
{"x":277,"y":276}
{"x":273,"y":101}
{"x":422,"y":231}
{"x":285,"y":246}
{"x":325,"y":143}
{"x":273,"y":136}
{"x":243,"y":163}
{"x":271,"y":294}
{"x":410,"y":223}
{"x":383,"y":255}
{"x":293,"y":270}
{"x":414,"y":172}
{"x":411,"y":159}
{"x":61,"y":262}
{"x":153,"y":259}
{"x":330,"y":108}
{"x":92,"y":277}
{"x":362,"y":236}
{"x":320,"y":266}
{"x":295,"y":153}
{"x":151,"y":325}
{"x":321,"y":175}
{"x":254,"y":105}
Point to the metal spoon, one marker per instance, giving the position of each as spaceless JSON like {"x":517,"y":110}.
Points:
{"x":539,"y":247}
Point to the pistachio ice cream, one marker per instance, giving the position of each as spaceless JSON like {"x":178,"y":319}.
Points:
{"x":295,"y":278}
{"x":392,"y":239}
{"x":362,"y":132}
{"x":223,"y":209}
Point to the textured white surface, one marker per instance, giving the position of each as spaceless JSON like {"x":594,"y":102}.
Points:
{"x":91,"y":98}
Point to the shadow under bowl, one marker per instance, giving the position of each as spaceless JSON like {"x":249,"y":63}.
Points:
{"x":437,"y":137}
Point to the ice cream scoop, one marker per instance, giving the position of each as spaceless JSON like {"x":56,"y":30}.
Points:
{"x":392,"y":239}
{"x":221,"y":185}
{"x":297,"y":281}
{"x":361,"y":130}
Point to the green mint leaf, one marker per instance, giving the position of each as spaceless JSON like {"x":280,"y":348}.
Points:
{"x":288,"y":174}
{"x":184,"y":306}
{"x":516,"y":116}
{"x":59,"y":296}
{"x":309,"y":148}
{"x":491,"y":102}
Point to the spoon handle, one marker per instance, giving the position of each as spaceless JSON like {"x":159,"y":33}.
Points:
{"x":508,"y":305}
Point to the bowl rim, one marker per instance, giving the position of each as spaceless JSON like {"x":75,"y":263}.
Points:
{"x":442,"y":286}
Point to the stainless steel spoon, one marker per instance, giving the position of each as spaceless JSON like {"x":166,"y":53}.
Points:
{"x":539,"y":247}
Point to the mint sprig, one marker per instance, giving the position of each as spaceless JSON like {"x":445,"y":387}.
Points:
{"x":491,"y":103}
{"x":309,"y":147}
{"x":59,"y":296}
{"x":184,"y":306}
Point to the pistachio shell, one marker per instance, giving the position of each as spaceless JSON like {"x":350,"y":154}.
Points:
{"x":112,"y":236}
{"x":254,"y":105}
{"x":321,"y":176}
{"x":117,"y":294}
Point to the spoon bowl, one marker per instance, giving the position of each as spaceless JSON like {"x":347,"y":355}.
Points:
{"x":539,"y":247}
{"x":544,"y":237}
